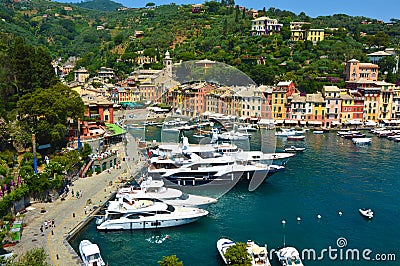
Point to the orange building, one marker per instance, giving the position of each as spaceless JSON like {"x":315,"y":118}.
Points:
{"x":354,"y":70}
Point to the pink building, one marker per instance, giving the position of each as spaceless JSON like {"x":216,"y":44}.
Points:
{"x":333,"y":105}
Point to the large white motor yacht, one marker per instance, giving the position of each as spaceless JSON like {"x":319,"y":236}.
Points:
{"x":158,"y":215}
{"x":155,"y":190}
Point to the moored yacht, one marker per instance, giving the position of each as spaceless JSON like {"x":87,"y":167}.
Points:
{"x":90,"y":254}
{"x":289,"y":256}
{"x":258,"y":255}
{"x":161,"y":215}
{"x":155,"y":190}
{"x":219,"y":171}
{"x":360,"y":141}
{"x":222,"y":246}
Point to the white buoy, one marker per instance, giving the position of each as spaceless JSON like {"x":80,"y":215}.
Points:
{"x":319,"y":216}
{"x":340,"y":213}
{"x":298,"y":219}
{"x":283,"y":222}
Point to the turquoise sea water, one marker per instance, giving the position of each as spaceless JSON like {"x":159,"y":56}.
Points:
{"x":332,"y":175}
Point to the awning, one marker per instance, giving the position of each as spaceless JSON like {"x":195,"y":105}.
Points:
{"x":266,"y":121}
{"x":279,"y":121}
{"x":314,"y":122}
{"x":335,"y":123}
{"x":353,"y":122}
{"x":370,"y":123}
{"x":291,"y":121}
{"x":303,"y":122}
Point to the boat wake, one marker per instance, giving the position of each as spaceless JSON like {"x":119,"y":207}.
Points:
{"x":157,"y":239}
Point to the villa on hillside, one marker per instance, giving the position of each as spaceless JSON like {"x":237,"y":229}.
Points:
{"x":355,"y":70}
{"x":300,"y":31}
{"x":265,"y":26}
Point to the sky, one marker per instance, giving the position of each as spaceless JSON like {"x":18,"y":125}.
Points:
{"x":374,"y":9}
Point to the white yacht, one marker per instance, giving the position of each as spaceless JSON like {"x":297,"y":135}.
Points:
{"x":190,"y":165}
{"x":361,"y":141}
{"x":155,"y":190}
{"x":368,"y":213}
{"x":285,"y":132}
{"x":289,"y":256}
{"x":158,"y":215}
{"x":258,"y":255}
{"x":181,"y":152}
{"x":90,"y":254}
{"x":219,"y":170}
{"x":234,"y":135}
{"x":222,"y":246}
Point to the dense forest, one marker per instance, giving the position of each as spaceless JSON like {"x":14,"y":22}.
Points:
{"x":220,"y":32}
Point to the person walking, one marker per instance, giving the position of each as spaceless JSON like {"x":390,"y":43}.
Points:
{"x":41,"y":230}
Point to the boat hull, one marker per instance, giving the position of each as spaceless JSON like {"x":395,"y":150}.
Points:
{"x":140,"y":225}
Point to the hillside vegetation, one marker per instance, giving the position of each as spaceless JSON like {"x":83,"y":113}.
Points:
{"x":220,"y":33}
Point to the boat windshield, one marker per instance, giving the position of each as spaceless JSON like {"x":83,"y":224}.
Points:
{"x":171,"y":208}
{"x":92,"y":257}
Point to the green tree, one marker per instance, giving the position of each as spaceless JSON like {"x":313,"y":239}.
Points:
{"x":387,"y":64}
{"x":170,"y":261}
{"x":238,"y":255}
{"x":86,"y":150}
{"x":33,"y":257}
{"x":46,"y":113}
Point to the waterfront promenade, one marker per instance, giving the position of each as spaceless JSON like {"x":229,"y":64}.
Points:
{"x":69,"y":214}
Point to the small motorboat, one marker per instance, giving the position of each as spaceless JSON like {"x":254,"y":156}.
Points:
{"x":368,"y":213}
{"x":294,"y":149}
{"x":289,"y":256}
{"x":90,"y":254}
{"x":222,"y":245}
{"x":296,"y":138}
{"x":361,"y":141}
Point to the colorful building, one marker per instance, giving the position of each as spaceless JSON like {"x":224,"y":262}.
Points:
{"x":300,"y":31}
{"x":316,"y":103}
{"x":354,"y":70}
{"x":280,"y":107}
{"x":99,"y":108}
{"x":315,"y":35}
{"x":265,"y":26}
{"x":333,"y":105}
{"x":299,"y":108}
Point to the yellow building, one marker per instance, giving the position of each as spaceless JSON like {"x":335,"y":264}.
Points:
{"x":318,"y":107}
{"x":387,"y":94}
{"x":278,"y":103}
{"x":315,"y":35}
{"x":300,"y":31}
{"x":297,"y":31}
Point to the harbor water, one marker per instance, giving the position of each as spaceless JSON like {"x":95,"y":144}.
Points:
{"x":331,"y":177}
